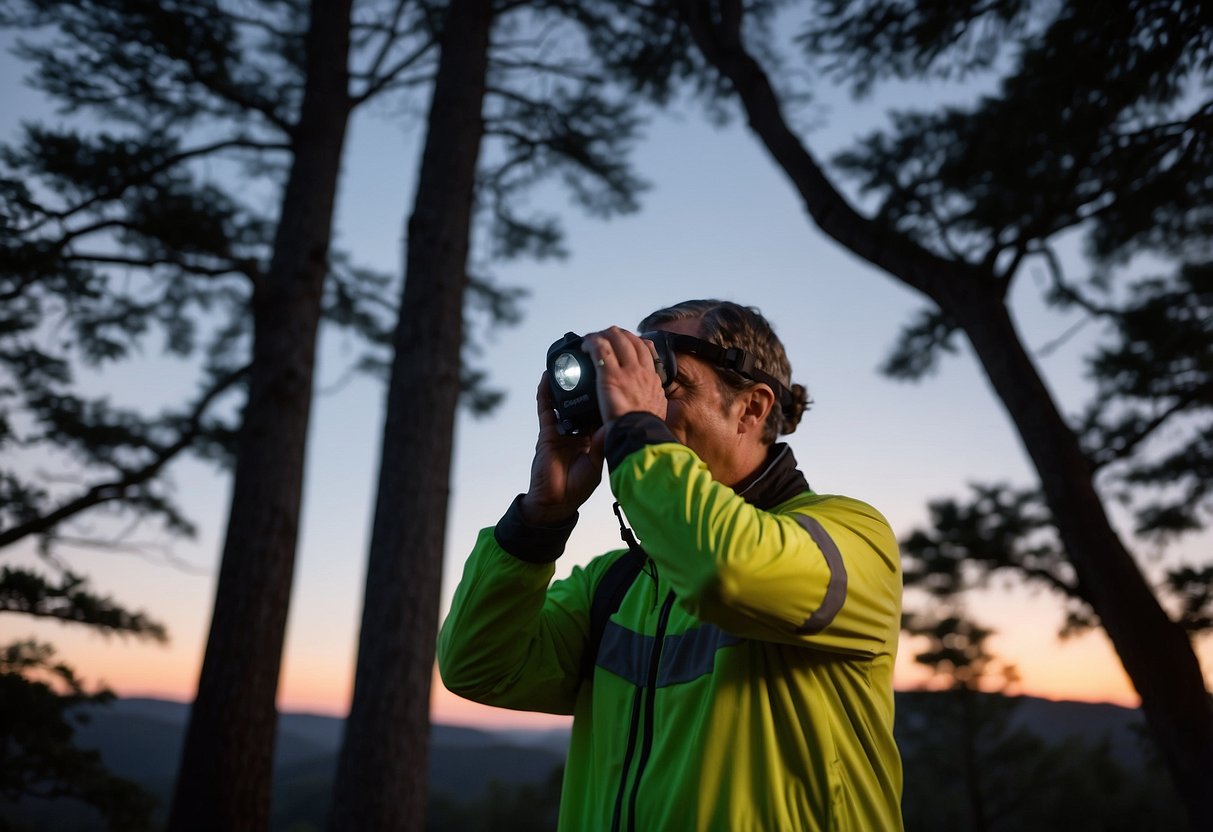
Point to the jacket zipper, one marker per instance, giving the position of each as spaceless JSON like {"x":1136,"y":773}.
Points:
{"x":627,"y":760}
{"x":648,"y":697}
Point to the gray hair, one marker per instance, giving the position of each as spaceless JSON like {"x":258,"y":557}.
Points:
{"x":728,"y":324}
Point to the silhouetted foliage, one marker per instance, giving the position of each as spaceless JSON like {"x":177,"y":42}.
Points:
{"x":1154,"y":376}
{"x":68,"y":600}
{"x":118,"y":239}
{"x":185,"y":207}
{"x":1120,"y":151}
{"x":163,"y":220}
{"x":39,"y":709}
{"x":39,"y":699}
{"x":971,"y":766}
{"x":530,"y":807}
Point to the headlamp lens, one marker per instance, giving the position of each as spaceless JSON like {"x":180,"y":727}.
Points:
{"x":567,"y":371}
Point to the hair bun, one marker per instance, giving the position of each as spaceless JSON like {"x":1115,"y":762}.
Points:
{"x":800,"y":403}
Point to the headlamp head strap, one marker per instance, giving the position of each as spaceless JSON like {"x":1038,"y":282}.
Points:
{"x":726,"y":358}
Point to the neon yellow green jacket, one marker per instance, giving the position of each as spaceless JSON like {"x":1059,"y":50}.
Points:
{"x":769,"y":703}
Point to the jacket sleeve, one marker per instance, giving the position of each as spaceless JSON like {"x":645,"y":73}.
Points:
{"x":510,"y":640}
{"x":819,"y":571}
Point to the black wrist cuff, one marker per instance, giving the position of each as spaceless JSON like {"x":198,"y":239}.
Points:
{"x":631,"y":432}
{"x":529,"y":542}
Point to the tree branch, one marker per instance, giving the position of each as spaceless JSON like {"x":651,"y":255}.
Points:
{"x":114,"y":489}
{"x":264,"y":25}
{"x":245,"y":268}
{"x":1008,"y":274}
{"x":570,"y":71}
{"x":101,"y":225}
{"x":234,"y":95}
{"x":1181,"y":403}
{"x":1067,"y":291}
{"x":112,"y":191}
{"x":26,"y":592}
{"x":390,"y":34}
{"x":389,"y":79}
{"x":399,"y":83}
{"x":884,"y":247}
{"x":1053,"y":581}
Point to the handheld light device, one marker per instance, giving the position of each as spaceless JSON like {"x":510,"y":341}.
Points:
{"x":573,"y":379}
{"x":573,"y":383}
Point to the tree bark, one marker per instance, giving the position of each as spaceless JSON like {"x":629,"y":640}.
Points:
{"x":226,"y":766}
{"x":382,"y":768}
{"x":1154,"y":650}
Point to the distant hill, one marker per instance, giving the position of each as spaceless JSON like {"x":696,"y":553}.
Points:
{"x":140,"y":739}
{"x":1123,"y":728}
{"x":1061,"y":722}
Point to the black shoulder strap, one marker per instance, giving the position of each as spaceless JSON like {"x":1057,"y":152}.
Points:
{"x":609,"y":592}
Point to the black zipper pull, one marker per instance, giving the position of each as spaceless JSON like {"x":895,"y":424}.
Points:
{"x":625,"y":533}
{"x":650,"y":566}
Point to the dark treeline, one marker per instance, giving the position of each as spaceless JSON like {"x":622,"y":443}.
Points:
{"x":973,"y":762}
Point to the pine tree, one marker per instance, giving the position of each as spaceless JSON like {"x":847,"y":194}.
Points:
{"x":536,"y":112}
{"x":127,"y":225}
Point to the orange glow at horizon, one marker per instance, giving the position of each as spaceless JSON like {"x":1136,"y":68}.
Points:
{"x":1081,"y":669}
{"x":1084,"y":670}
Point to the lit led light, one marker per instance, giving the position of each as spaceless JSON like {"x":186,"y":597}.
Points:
{"x":567,"y":371}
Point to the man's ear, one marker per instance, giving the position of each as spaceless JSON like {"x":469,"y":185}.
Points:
{"x":756,"y":404}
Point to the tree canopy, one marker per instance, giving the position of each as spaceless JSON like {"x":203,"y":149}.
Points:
{"x":512,"y":102}
{"x":184,"y":209}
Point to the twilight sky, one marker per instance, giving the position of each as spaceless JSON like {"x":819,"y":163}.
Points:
{"x":719,"y":221}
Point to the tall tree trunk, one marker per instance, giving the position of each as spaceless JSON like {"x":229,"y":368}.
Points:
{"x":1155,"y":652}
{"x":381,"y":774}
{"x":226,"y":765}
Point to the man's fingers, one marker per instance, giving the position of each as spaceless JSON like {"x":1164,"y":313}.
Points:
{"x":544,"y":404}
{"x":629,"y":348}
{"x":598,"y":348}
{"x":616,"y":345}
{"x":642,"y":350}
{"x":597,"y":448}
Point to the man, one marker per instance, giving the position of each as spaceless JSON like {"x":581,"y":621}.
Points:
{"x":743,"y":682}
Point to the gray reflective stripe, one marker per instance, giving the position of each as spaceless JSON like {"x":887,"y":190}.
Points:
{"x":684,"y":657}
{"x":624,"y":653}
{"x":836,"y":590}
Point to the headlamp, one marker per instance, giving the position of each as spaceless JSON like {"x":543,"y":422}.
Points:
{"x":573,"y":380}
{"x":573,"y":383}
{"x":566,"y":371}
{"x":734,"y":359}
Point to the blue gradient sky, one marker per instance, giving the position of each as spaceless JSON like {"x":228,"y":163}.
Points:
{"x":721,"y":221}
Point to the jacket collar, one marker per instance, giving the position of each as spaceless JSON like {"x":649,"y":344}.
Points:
{"x":779,"y":481}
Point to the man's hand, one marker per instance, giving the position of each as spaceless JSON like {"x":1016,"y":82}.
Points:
{"x":627,"y":380}
{"x":565,"y":470}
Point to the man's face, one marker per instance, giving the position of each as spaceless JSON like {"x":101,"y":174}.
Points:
{"x":699,"y":415}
